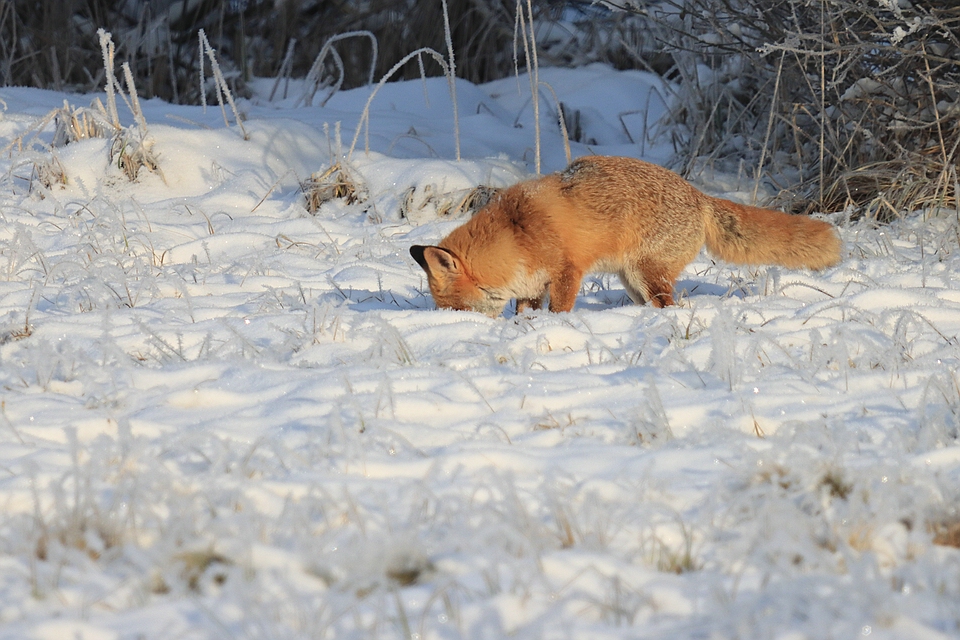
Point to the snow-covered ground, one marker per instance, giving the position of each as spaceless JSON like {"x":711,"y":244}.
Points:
{"x":222,"y":416}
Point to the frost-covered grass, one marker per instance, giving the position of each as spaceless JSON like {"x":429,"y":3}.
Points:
{"x":222,"y":416}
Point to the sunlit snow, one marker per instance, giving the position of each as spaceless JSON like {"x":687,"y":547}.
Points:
{"x":223,"y":416}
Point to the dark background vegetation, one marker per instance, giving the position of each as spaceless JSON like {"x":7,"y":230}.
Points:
{"x":53,"y":43}
{"x":835,"y":103}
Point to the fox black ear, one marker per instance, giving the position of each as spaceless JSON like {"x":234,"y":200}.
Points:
{"x":417,"y":252}
{"x":436,"y":261}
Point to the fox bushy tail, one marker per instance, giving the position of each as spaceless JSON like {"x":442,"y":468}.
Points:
{"x":751,"y":235}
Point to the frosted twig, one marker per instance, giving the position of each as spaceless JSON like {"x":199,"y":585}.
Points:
{"x":338,"y":63}
{"x":107,"y":48}
{"x":118,"y":88}
{"x":312,"y":82}
{"x":563,"y":121}
{"x":365,"y":115}
{"x":766,"y":138}
{"x":451,"y":72}
{"x":134,"y":99}
{"x":203,"y":80}
{"x":284,"y":73}
{"x":533,"y":72}
{"x":222,"y":88}
{"x":423,"y":81}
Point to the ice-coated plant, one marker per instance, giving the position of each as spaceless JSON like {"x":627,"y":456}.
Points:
{"x":220,"y":83}
{"x":314,"y":76}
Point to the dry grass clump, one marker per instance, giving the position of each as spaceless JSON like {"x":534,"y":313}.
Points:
{"x":835,"y":484}
{"x":474,"y":200}
{"x":48,"y":173}
{"x":90,"y":533}
{"x":130,"y":148}
{"x":453,"y":204}
{"x":842,"y":103}
{"x":335,"y":183}
{"x":675,"y":557}
{"x":194,"y":566}
{"x":132,"y":153}
{"x":72,"y":124}
{"x":946,"y":532}
{"x":338,"y":182}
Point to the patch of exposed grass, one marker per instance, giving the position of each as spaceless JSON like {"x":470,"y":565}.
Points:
{"x":946,"y":532}
{"x":335,"y":183}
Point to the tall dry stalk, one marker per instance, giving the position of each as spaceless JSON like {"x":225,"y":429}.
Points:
{"x":223,"y":89}
{"x":313,"y":79}
{"x":364,"y":123}
{"x":108,"y":50}
{"x":523,"y":28}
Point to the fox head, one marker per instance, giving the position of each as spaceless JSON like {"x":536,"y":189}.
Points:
{"x":451,"y":284}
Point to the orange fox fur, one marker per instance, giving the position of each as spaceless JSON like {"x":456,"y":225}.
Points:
{"x":613,"y":215}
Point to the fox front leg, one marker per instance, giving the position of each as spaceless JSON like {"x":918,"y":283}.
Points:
{"x":532,"y":304}
{"x":563,"y":289}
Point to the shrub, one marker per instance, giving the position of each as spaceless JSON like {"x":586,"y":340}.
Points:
{"x":842,"y":103}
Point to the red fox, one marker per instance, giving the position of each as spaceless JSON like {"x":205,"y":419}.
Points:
{"x":612,"y":215}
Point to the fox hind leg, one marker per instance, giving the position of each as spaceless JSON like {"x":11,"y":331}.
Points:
{"x":651,"y":282}
{"x":634,"y":284}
